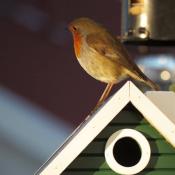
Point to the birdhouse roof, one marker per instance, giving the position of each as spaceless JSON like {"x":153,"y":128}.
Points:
{"x":157,"y":107}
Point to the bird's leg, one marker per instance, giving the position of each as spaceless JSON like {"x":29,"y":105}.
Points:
{"x":104,"y":95}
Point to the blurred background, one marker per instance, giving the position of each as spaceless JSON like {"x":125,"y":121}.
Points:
{"x":44,"y":93}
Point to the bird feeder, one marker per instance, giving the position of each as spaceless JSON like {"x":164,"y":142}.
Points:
{"x":148,"y":21}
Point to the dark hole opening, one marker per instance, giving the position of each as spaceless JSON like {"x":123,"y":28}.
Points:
{"x":127,"y":152}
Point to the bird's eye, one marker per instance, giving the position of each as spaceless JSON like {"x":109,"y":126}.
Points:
{"x":74,"y":28}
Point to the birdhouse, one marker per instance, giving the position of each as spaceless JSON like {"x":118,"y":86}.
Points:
{"x":132,"y":133}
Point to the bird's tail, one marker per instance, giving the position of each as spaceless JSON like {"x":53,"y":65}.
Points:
{"x":140,"y":76}
{"x":151,"y":84}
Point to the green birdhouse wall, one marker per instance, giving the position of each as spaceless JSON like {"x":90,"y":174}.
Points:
{"x":92,"y":160}
{"x":132,"y":133}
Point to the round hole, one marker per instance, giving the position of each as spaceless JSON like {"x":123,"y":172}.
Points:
{"x":127,"y":152}
{"x":127,"y":147}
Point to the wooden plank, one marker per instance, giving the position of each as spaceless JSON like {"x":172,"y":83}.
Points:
{"x":163,"y":161}
{"x":109,"y":172}
{"x":157,"y":146}
{"x":158,"y":172}
{"x":162,"y":147}
{"x":129,"y":117}
{"x":147,"y":130}
{"x":103,"y":172}
{"x":98,"y":162}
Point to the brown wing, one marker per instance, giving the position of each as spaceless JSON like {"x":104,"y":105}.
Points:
{"x":105,"y":44}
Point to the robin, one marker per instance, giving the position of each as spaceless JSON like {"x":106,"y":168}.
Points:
{"x":103,"y":56}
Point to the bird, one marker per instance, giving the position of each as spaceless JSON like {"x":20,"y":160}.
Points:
{"x":103,"y":56}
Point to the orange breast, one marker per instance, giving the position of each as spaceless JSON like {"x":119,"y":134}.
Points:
{"x":77,"y":43}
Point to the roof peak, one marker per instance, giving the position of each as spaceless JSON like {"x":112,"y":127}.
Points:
{"x":147,"y":105}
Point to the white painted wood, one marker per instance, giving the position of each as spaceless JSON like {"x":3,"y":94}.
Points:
{"x":153,"y":114}
{"x":87,"y":132}
{"x":165,"y":100}
{"x":141,"y":141}
{"x":93,"y":125}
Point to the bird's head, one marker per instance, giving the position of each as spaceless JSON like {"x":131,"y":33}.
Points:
{"x":84,"y":26}
{"x":80,"y":28}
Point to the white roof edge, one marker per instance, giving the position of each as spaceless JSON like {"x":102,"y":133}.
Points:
{"x":153,"y":114}
{"x":85,"y":133}
{"x":90,"y":128}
